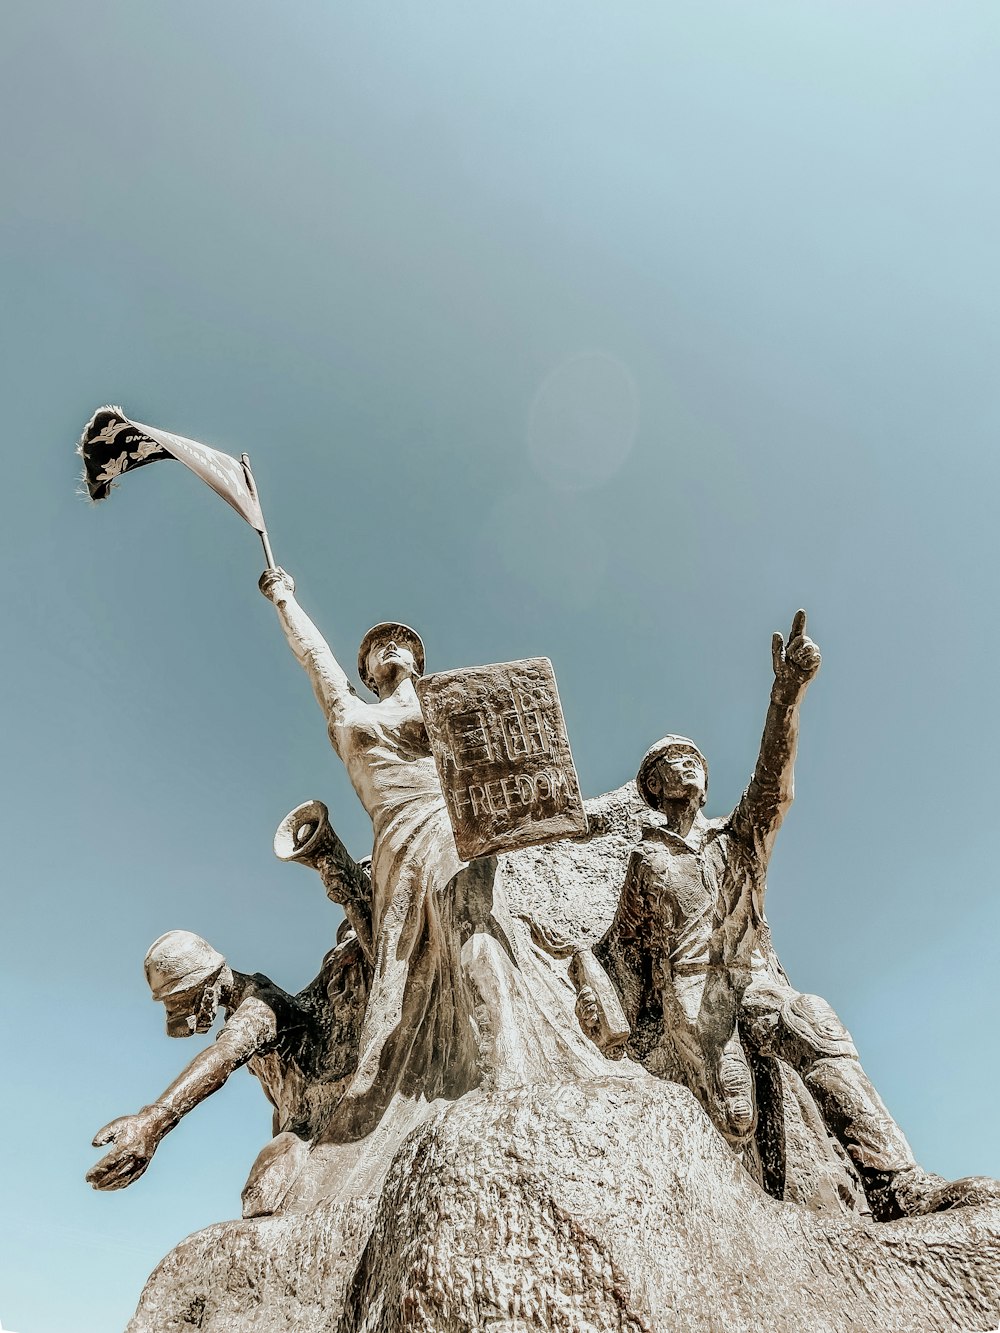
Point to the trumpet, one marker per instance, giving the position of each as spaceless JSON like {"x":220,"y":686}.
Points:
{"x":306,"y":835}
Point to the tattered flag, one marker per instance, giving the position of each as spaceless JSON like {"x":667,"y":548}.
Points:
{"x":112,"y":445}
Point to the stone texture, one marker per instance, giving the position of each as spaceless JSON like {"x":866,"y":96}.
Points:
{"x":499,"y":740}
{"x":609,"y":1205}
{"x":603,"y":1204}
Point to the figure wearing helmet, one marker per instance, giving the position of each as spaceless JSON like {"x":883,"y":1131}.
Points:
{"x":690,"y":930}
{"x":284,"y":1039}
{"x":182,"y":969}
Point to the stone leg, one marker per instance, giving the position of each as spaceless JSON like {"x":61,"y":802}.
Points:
{"x":855,"y":1112}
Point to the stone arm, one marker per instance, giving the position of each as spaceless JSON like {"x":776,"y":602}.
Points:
{"x":333,"y":690}
{"x":348,"y":884}
{"x":764,"y":804}
{"x":135,"y":1138}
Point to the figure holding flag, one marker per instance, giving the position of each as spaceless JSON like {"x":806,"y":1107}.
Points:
{"x":417,"y":1036}
{"x":456,"y":997}
{"x":459,"y":997}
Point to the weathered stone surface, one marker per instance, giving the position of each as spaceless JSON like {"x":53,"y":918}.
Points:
{"x":609,"y":1205}
{"x":499,"y":740}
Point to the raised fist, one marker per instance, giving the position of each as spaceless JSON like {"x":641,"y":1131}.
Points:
{"x":276,"y":585}
{"x":796,"y":662}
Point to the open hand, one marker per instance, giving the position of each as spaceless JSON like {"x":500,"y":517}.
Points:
{"x":276,"y":585}
{"x":135,"y":1139}
{"x":796,"y":662}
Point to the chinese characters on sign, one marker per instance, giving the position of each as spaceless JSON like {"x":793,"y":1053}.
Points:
{"x":500,"y":743}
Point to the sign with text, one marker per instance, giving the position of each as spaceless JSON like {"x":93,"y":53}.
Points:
{"x":499,"y":739}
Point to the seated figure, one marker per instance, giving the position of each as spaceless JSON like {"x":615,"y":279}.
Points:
{"x":690,"y":952}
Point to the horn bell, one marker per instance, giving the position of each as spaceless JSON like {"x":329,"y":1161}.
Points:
{"x":305,"y":835}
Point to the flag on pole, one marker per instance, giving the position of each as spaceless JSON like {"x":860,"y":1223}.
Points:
{"x":111,"y":445}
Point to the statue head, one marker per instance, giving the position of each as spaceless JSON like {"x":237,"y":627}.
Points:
{"x":673,"y":769}
{"x":186,"y":975}
{"x":389,"y":653}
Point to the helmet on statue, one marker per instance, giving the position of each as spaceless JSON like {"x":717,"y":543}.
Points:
{"x":179,"y":961}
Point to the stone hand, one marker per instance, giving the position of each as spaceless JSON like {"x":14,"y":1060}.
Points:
{"x":587,"y":1013}
{"x":276,"y":585}
{"x":135,"y":1139}
{"x":796,"y":662}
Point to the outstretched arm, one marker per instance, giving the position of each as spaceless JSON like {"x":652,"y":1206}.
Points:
{"x":136,"y":1137}
{"x":329,"y":681}
{"x":765,"y":802}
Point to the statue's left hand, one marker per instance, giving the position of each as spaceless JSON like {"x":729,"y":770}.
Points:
{"x":796,"y":662}
{"x":135,"y":1139}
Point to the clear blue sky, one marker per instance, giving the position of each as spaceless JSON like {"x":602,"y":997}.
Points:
{"x":611,"y":332}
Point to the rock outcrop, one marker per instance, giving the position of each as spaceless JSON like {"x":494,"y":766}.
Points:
{"x":610,"y":1205}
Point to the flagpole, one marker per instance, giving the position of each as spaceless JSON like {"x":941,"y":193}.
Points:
{"x":268,"y":556}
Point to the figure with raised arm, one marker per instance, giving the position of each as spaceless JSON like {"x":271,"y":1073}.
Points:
{"x":461,"y":997}
{"x":418,"y":1037}
{"x":690,"y":928}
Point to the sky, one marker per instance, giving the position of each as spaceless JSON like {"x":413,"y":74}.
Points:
{"x":607,"y":332}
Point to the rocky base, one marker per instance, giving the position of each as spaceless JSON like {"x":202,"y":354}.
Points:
{"x":595,"y":1206}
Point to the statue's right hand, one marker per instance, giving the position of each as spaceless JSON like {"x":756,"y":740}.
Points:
{"x":135,"y":1139}
{"x":587,"y":1012}
{"x":796,"y":662}
{"x":276,"y":585}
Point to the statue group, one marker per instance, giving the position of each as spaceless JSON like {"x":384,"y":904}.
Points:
{"x":614,"y":950}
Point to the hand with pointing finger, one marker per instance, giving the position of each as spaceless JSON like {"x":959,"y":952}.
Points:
{"x":796,"y":662}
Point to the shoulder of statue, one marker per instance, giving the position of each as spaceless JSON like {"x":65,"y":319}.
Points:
{"x":257,"y":986}
{"x":350,"y":708}
{"x":263,"y":988}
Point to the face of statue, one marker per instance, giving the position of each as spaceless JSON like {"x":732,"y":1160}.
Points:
{"x":678,"y":775}
{"x":192,"y":1010}
{"x":389,"y":662}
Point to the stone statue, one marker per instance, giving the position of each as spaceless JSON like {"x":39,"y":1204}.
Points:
{"x":691,"y":920}
{"x":417,"y":1033}
{"x":523,"y":1089}
{"x":598,"y":1008}
{"x":293,"y":1044}
{"x":454,"y":1000}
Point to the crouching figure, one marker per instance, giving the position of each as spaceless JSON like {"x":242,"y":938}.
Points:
{"x":299,"y":1047}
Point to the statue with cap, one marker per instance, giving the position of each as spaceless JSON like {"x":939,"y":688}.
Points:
{"x":289,"y":1042}
{"x":418,"y":1037}
{"x":694,"y":898}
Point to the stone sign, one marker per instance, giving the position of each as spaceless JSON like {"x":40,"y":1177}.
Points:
{"x":498,"y":736}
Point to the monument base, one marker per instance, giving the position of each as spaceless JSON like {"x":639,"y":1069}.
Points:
{"x":599,"y":1205}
